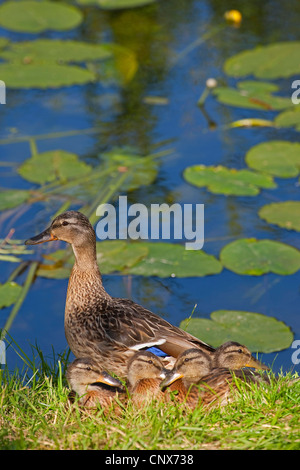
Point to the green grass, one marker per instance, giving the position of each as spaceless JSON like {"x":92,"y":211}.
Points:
{"x":35,"y":414}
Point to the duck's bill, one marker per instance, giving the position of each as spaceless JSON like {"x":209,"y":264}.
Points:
{"x":107,"y":379}
{"x":256,"y":364}
{"x":170,"y":378}
{"x":45,"y":236}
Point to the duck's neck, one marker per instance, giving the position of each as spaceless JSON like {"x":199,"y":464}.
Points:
{"x":85,"y":289}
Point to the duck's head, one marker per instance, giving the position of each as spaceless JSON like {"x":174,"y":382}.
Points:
{"x":232,"y":355}
{"x":144,"y":365}
{"x":84,"y":372}
{"x":72,"y":227}
{"x":190,"y":366}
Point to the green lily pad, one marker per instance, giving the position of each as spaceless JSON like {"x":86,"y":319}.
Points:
{"x":118,"y":255}
{"x":49,"y":166}
{"x":173,"y":260}
{"x":112,"y":256}
{"x":10,"y":198}
{"x":276,"y":157}
{"x":34,"y":17}
{"x":138,"y":258}
{"x":266,"y":62}
{"x":258,"y":332}
{"x":290,"y":118}
{"x":44,"y":76}
{"x":255,"y":257}
{"x":54,"y":50}
{"x":142,"y":170}
{"x":222,"y":180}
{"x":116,"y":4}
{"x":9,"y":293}
{"x":285,"y":214}
{"x":252,"y":95}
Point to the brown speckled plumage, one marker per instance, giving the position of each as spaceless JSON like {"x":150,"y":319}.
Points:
{"x":107,"y":329}
{"x":198,"y":378}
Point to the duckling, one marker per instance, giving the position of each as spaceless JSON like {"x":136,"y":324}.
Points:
{"x":93,"y":386}
{"x":194,"y":367}
{"x":107,"y":329}
{"x":234,"y":356}
{"x":145,"y":373}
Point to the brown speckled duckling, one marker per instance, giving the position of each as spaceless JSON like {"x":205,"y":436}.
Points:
{"x":107,"y":329}
{"x":194,"y":368}
{"x":93,"y":386}
{"x":145,"y":374}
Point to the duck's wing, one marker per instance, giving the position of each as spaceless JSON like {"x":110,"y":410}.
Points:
{"x":135,"y":327}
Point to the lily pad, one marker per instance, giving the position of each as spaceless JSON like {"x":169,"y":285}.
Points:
{"x":285,"y":214}
{"x":266,"y":62}
{"x":44,"y":76}
{"x":255,"y":257}
{"x":10,"y":198}
{"x":252,"y":95}
{"x":138,"y":258}
{"x":55,"y":51}
{"x":222,"y":180}
{"x":112,"y":256}
{"x":116,"y":4}
{"x":9,"y":293}
{"x":173,"y":260}
{"x":258,"y":332}
{"x":50,"y":166}
{"x":276,"y":157}
{"x":34,"y":17}
{"x":289,"y":118}
{"x":142,"y":170}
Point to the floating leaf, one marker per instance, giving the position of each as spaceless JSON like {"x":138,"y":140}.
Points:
{"x":256,"y":257}
{"x":290,"y":118}
{"x":118,"y":255}
{"x":142,"y":170}
{"x":173,"y":260}
{"x":258,"y":332}
{"x":44,"y":76}
{"x":55,"y":51}
{"x":252,"y":122}
{"x":49,"y":166}
{"x":267,"y":62}
{"x":276,"y":157}
{"x":139,"y":258}
{"x":116,"y":4}
{"x":9,"y":293}
{"x":10,"y":198}
{"x":285,"y":214}
{"x":222,"y":180}
{"x":252,"y":95}
{"x":33,"y":16}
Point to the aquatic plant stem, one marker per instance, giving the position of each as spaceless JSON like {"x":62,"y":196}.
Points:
{"x":18,"y":304}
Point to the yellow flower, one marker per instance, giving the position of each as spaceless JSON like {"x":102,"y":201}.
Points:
{"x":233,"y":17}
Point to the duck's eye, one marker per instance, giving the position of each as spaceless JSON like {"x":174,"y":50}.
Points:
{"x":65,"y":222}
{"x":187,"y":359}
{"x":150,"y":361}
{"x":88,"y":368}
{"x":240,"y":351}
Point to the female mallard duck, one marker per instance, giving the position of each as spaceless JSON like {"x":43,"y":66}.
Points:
{"x":194,"y":368}
{"x":145,"y":374}
{"x":93,"y":386}
{"x":109,"y":330}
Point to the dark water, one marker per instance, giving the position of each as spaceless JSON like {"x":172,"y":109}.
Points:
{"x":156,"y":33}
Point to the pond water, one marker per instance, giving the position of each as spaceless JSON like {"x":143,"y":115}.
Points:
{"x":124,"y":118}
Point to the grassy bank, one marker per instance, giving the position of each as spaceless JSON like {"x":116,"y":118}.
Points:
{"x":35,"y":414}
